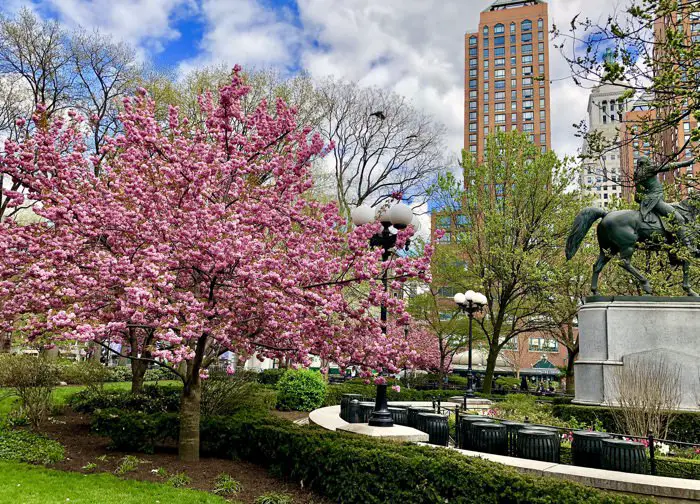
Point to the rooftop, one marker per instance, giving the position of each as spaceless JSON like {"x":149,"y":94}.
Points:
{"x":508,"y":4}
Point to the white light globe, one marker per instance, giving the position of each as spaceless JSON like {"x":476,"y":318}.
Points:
{"x":469,"y":295}
{"x":481,"y":299}
{"x":401,"y":215}
{"x":382,"y":214}
{"x":460,"y":298}
{"x":362,"y":215}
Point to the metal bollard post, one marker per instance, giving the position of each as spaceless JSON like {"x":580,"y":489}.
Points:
{"x":457,"y":426}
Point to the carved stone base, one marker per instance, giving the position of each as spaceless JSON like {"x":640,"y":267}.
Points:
{"x":615,"y":330}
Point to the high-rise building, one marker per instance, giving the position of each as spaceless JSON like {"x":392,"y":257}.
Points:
{"x":601,"y":175}
{"x":507,"y":74}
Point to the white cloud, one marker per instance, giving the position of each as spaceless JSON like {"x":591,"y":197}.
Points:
{"x":246,"y":32}
{"x":145,"y":24}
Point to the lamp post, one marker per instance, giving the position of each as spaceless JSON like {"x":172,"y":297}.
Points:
{"x":399,"y":217}
{"x":470,"y":303}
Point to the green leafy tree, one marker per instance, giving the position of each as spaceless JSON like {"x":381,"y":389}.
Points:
{"x":650,"y":48}
{"x":519,"y":210}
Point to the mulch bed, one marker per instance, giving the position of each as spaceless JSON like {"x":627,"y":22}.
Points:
{"x":82,"y":447}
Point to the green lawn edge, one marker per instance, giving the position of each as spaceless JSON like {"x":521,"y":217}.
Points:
{"x":26,"y":484}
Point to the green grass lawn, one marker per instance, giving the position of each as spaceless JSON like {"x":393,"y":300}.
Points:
{"x":26,"y":484}
{"x":62,"y":394}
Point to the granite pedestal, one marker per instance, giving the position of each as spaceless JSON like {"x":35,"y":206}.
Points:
{"x":613,"y":330}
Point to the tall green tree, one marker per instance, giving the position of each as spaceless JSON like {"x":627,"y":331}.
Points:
{"x":518,"y":209}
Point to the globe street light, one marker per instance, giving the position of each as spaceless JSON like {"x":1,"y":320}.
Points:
{"x":399,"y":217}
{"x":470,"y":303}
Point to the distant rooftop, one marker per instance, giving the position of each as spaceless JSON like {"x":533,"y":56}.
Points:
{"x":509,"y":4}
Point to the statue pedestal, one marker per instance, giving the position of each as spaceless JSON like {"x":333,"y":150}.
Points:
{"x":613,"y":330}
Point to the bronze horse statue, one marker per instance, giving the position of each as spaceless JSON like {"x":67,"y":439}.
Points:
{"x":619,"y":233}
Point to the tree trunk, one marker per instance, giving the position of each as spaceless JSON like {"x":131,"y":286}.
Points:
{"x":138,"y":372}
{"x":570,"y":379}
{"x":490,"y":368}
{"x":6,"y":343}
{"x":188,"y":447}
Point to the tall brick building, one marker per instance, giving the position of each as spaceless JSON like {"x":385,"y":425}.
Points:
{"x":507,"y":74}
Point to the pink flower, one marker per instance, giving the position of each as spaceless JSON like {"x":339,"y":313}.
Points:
{"x":380,"y":380}
{"x":230,"y":369}
{"x":396,"y":388}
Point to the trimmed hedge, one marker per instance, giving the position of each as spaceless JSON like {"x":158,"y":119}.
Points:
{"x":301,"y":390}
{"x":676,"y":467}
{"x":349,"y":469}
{"x":684,"y":427}
{"x":271,"y":376}
{"x":135,"y":430}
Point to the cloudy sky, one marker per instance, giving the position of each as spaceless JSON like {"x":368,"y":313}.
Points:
{"x":414,"y":47}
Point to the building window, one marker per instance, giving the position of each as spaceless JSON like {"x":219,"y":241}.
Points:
{"x":499,"y":96}
{"x":514,"y":94}
{"x":472,"y":72}
{"x":529,"y":127}
{"x":473,"y":62}
{"x":444,"y":222}
{"x":472,"y":95}
{"x":472,"y":105}
{"x":499,"y":51}
{"x":486,"y":63}
{"x":486,"y":31}
{"x":472,"y":84}
{"x":526,"y":48}
{"x":513,"y":72}
{"x":543,"y":138}
{"x":472,"y":41}
{"x":486,"y":109}
{"x":513,"y":50}
{"x":528,"y":116}
{"x":472,"y":116}
{"x":526,"y":37}
{"x":472,"y":138}
{"x":540,"y":35}
{"x":527,"y":81}
{"x":513,"y":61}
{"x":540,"y":47}
{"x":500,"y":107}
{"x":540,"y":58}
{"x":486,"y":53}
{"x":541,"y":69}
{"x":485,"y":42}
{"x":512,"y":39}
{"x":499,"y":74}
{"x":500,"y":118}
{"x":499,"y":62}
{"x":513,"y":117}
{"x":542,"y":115}
{"x":514,"y":105}
{"x":462,"y":220}
{"x":499,"y":28}
{"x":527,"y":93}
{"x":473,"y":52}
{"x":472,"y":127}
{"x":541,"y":92}
{"x":486,"y":119}
{"x":526,"y":25}
{"x":528,"y":104}
{"x":486,"y":86}
{"x":486,"y":97}
{"x":527,"y":60}
{"x":541,"y":102}
{"x":499,"y":41}
{"x":527,"y":70}
{"x":512,"y":27}
{"x":540,"y":23}
{"x":486,"y":75}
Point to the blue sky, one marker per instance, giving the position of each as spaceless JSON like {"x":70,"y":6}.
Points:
{"x":414,"y":47}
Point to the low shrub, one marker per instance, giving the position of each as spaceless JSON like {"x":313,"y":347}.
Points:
{"x":24,"y":446}
{"x":270,"y":376}
{"x":157,"y":373}
{"x":226,"y":486}
{"x":89,"y":373}
{"x":225,"y":395}
{"x":118,"y":373}
{"x":684,"y":427}
{"x":274,"y":498}
{"x":675,"y":467}
{"x":508,"y":382}
{"x":32,"y":379}
{"x":301,"y":390}
{"x":154,"y":399}
{"x":135,"y":430}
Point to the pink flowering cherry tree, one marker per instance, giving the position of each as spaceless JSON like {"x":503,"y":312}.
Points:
{"x":194,"y":241}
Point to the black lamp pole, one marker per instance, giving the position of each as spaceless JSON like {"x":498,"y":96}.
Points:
{"x":470,"y":308}
{"x":381,"y":416}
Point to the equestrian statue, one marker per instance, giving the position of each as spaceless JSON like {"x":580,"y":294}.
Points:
{"x":620,"y":231}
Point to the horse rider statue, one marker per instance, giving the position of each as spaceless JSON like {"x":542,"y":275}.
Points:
{"x":650,"y":195}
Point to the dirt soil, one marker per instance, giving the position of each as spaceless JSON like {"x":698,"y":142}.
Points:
{"x":82,"y":447}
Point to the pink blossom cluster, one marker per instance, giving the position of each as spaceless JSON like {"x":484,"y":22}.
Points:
{"x":189,"y":240}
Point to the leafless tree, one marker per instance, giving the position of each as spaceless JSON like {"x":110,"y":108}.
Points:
{"x":646,"y":395}
{"x":36,"y":51}
{"x":105,"y":71}
{"x":381,"y":144}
